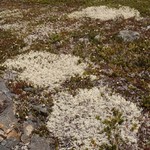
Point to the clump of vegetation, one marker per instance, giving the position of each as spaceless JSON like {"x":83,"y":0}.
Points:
{"x":10,"y":46}
{"x":41,"y":131}
{"x":146,"y":102}
{"x":129,"y":61}
{"x":78,"y":82}
{"x":113,"y":131}
{"x":28,"y":105}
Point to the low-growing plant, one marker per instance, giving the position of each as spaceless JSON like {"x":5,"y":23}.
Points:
{"x":112,"y":131}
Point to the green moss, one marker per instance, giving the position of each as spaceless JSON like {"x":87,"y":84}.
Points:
{"x":77,"y":82}
{"x":112,"y":131}
{"x":42,"y":131}
{"x":146,"y":102}
{"x":108,"y":147}
{"x":10,"y":45}
{"x":134,"y":127}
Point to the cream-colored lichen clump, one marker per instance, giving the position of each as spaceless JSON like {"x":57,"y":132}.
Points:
{"x":78,"y":120}
{"x":11,"y":13}
{"x":105,"y":13}
{"x":44,"y":69}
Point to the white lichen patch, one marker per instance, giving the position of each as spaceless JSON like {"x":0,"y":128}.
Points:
{"x":105,"y":13}
{"x":44,"y":69}
{"x":19,"y":27}
{"x":79,"y":120}
{"x":40,"y":32}
{"x":11,"y":13}
{"x":10,"y":20}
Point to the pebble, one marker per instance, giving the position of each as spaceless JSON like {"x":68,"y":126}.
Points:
{"x":28,"y":130}
{"x":10,"y":143}
{"x":39,"y":142}
{"x":148,"y":27}
{"x":40,"y":109}
{"x":13,"y":135}
{"x":97,"y":37}
{"x":2,"y":103}
{"x":25,"y":148}
{"x":29,"y":89}
{"x":128,"y":35}
{"x":25,"y":139}
{"x":1,"y":126}
{"x":2,"y":147}
{"x":3,"y":142}
{"x":2,"y":132}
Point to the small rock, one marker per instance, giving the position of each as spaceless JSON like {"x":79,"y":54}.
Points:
{"x":4,"y":142}
{"x":1,"y":138}
{"x":2,"y":147}
{"x":86,"y":40}
{"x":10,"y":143}
{"x":148,"y":27}
{"x":97,"y":37}
{"x":39,"y":143}
{"x":16,"y":147}
{"x":40,"y":109}
{"x":28,"y":130}
{"x":24,"y":147}
{"x":3,"y":87}
{"x":25,"y":139}
{"x":1,"y":126}
{"x":93,"y":77}
{"x":7,"y":116}
{"x":2,"y":132}
{"x":2,"y":103}
{"x":13,"y":135}
{"x":8,"y":130}
{"x":128,"y":35}
{"x":29,"y":89}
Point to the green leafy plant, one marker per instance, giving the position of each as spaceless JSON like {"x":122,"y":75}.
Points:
{"x":112,"y":131}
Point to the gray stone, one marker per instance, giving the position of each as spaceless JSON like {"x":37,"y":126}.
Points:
{"x":128,"y":35}
{"x":7,"y":117}
{"x":2,"y":147}
{"x":148,"y":27}
{"x":3,"y":87}
{"x":28,"y":129}
{"x":24,"y":147}
{"x":10,"y":143}
{"x":1,"y":138}
{"x":3,"y":143}
{"x":40,"y":109}
{"x":39,"y":143}
{"x":25,"y":139}
{"x":3,"y":102}
{"x":97,"y":37}
{"x":2,"y":132}
{"x":29,"y":89}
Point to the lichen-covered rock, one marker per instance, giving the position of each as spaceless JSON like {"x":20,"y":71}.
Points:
{"x":128,"y":35}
